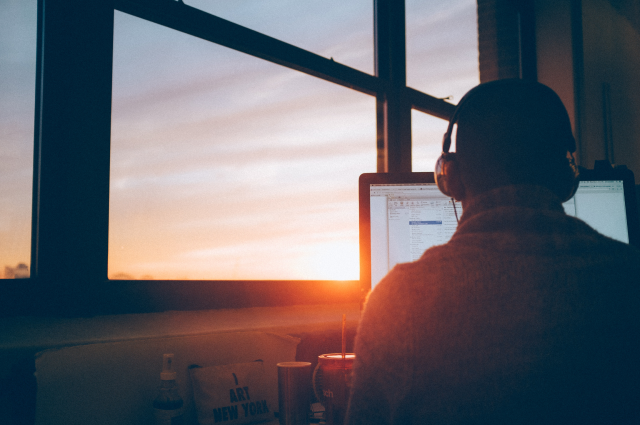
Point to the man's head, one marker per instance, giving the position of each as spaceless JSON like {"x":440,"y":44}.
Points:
{"x":509,"y":132}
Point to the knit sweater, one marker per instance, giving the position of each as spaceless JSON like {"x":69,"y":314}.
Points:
{"x":525,"y":316}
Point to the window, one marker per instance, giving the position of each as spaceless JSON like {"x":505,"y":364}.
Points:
{"x":442,"y":60}
{"x":442,"y":47}
{"x":17,"y":96}
{"x":125,"y":136}
{"x":426,"y":137}
{"x":227,"y":167}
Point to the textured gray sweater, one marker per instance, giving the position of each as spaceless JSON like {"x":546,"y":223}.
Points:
{"x":527,"y":316}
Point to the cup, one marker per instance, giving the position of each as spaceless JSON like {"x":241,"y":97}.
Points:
{"x":332,"y":385}
{"x":294,"y":386}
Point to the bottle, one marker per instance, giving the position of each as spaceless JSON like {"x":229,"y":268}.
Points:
{"x":168,"y":404}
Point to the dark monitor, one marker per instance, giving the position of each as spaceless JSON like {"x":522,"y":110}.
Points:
{"x":403,"y":214}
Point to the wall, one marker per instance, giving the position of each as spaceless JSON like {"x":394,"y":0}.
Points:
{"x":589,"y":53}
{"x":554,"y":51}
{"x":611,"y":128}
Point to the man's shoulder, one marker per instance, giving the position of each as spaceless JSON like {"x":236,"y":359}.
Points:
{"x":406,"y":280}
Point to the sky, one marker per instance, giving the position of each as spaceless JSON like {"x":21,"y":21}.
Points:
{"x":225,"y":166}
{"x":17,"y":92}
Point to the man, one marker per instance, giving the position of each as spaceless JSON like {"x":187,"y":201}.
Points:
{"x":527,"y":315}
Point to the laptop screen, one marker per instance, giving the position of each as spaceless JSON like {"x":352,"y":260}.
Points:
{"x":406,"y":220}
{"x":404,"y":214}
{"x":601,"y":204}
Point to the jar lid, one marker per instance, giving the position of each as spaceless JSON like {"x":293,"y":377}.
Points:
{"x":336,"y":360}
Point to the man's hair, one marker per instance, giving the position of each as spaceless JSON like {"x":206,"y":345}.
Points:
{"x":513,"y":132}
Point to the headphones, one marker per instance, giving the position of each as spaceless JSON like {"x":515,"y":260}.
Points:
{"x":446,"y":169}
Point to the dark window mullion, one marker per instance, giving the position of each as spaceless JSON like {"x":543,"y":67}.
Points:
{"x":71,"y":174}
{"x":394,"y":107}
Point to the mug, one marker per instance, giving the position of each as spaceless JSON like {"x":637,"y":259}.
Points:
{"x":332,"y":385}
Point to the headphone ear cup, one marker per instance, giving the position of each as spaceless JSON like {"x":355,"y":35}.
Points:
{"x":570,"y":182}
{"x":443,"y":173}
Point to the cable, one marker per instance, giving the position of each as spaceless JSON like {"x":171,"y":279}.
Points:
{"x":455,"y":210}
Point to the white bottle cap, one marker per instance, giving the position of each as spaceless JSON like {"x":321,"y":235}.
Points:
{"x":168,"y":374}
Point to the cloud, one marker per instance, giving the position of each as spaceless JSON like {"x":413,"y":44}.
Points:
{"x":442,"y":47}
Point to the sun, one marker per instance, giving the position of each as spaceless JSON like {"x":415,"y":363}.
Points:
{"x":334,"y":261}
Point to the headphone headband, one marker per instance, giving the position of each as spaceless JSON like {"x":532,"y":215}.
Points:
{"x":446,"y":139}
{"x":446,"y":168}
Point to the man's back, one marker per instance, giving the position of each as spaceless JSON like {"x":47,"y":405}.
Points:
{"x":525,"y":316}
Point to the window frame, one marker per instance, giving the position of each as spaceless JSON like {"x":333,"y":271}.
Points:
{"x":70,"y":216}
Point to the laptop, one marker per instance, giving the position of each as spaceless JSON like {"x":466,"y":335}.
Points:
{"x":404,"y":214}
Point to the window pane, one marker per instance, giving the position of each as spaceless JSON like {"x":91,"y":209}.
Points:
{"x":224,"y":166}
{"x":337,"y":29}
{"x":442,"y":47}
{"x":426,"y":140}
{"x":18,"y":27}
